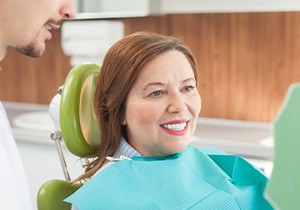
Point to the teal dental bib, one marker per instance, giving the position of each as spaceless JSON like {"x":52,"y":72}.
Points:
{"x":188,"y":180}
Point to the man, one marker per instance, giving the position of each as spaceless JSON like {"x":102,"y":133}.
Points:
{"x":26,"y":26}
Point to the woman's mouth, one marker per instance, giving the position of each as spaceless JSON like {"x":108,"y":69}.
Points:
{"x":178,"y":127}
{"x":175,"y":127}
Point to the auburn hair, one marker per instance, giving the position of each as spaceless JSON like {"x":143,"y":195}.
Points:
{"x":120,"y":69}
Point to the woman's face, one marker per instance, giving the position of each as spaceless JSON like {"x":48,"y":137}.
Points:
{"x":163,"y":106}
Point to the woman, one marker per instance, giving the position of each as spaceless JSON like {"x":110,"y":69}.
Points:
{"x":147,"y":105}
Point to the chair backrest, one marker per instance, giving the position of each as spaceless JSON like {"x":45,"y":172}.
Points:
{"x":79,"y":130}
{"x":283,"y":189}
{"x":78,"y":123}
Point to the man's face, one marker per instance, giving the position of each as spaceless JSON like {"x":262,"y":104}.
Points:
{"x":32,"y":21}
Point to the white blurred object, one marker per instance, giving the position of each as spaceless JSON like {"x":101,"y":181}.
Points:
{"x":97,"y":9}
{"x":34,"y":120}
{"x":54,"y":110}
{"x":89,"y":40}
{"x":269,"y":142}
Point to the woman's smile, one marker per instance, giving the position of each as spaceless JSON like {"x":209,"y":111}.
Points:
{"x":176,"y":127}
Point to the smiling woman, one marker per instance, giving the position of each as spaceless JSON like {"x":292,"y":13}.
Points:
{"x":147,"y":105}
{"x":157,"y":76}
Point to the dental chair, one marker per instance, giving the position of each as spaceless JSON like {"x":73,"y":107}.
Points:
{"x":76,"y":127}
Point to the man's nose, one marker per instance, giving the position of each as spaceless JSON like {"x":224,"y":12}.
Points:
{"x":68,"y":10}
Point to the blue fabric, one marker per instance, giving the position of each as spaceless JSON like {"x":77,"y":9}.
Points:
{"x":188,"y":180}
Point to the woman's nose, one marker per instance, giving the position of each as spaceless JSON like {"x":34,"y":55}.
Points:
{"x":68,"y":10}
{"x":177,"y":103}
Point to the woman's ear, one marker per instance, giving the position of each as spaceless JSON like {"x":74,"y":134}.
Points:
{"x":123,"y":121}
{"x":123,"y":117}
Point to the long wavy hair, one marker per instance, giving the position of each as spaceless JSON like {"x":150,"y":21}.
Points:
{"x":119,"y":72}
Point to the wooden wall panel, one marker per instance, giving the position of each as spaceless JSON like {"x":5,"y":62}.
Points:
{"x":153,"y":24}
{"x":246,"y":62}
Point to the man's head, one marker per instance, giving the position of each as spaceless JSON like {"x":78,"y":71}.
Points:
{"x":26,"y":25}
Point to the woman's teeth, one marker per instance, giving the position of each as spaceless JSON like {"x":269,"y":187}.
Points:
{"x":175,"y":127}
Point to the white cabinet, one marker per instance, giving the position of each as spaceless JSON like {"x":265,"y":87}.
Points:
{"x":117,"y":8}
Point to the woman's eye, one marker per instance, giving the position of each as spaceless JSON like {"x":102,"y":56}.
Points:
{"x":157,"y":93}
{"x":188,"y":88}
